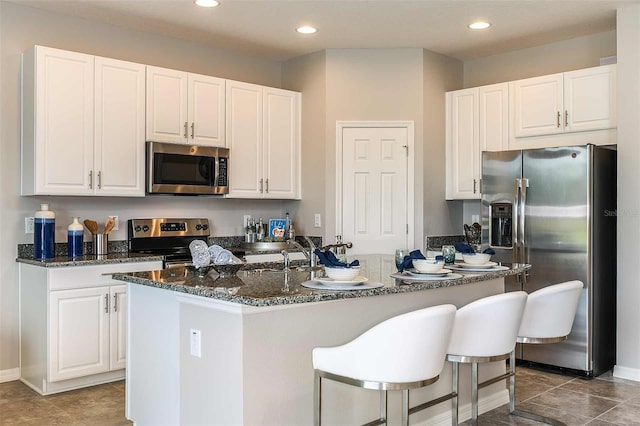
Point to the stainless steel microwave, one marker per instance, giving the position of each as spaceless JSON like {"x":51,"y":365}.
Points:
{"x":187,"y":169}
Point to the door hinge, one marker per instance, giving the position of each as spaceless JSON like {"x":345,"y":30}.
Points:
{"x":407,"y":228}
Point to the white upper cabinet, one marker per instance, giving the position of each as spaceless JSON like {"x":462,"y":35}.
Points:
{"x":576,"y":101}
{"x":185,"y":108}
{"x":119,"y":127}
{"x":263,"y":136}
{"x":477,"y":120}
{"x":83,"y":125}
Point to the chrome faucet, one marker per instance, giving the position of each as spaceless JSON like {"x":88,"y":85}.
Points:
{"x":286,"y":268}
{"x":308,"y":253}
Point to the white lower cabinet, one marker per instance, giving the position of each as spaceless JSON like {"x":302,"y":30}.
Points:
{"x":73,"y":325}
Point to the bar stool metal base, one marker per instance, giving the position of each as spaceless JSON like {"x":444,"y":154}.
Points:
{"x":383,"y":387}
{"x":512,"y":382}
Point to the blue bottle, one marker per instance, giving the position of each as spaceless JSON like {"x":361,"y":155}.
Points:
{"x":44,"y":233}
{"x":75,"y":239}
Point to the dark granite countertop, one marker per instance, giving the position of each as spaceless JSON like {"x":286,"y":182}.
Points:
{"x":89,"y":259}
{"x":261,"y":287}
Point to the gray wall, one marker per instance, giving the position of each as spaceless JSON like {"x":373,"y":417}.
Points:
{"x":628,"y":332}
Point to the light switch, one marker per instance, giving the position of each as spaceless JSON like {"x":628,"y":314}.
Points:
{"x":196,"y":342}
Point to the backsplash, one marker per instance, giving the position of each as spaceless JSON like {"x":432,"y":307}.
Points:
{"x":436,"y":242}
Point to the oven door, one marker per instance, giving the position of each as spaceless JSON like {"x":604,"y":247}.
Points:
{"x":181,"y":169}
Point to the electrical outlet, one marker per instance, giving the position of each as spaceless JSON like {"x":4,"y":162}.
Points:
{"x":195,"y":342}
{"x":29,"y":225}
{"x":117,"y":223}
{"x":317,"y":221}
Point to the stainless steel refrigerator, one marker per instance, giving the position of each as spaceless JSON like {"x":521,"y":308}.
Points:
{"x":555,"y":208}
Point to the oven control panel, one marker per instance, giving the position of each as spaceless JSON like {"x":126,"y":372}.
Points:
{"x":149,"y":228}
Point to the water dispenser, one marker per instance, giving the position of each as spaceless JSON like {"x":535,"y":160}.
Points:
{"x":500,"y":220}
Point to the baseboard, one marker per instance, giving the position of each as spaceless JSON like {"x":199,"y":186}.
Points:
{"x":626,"y":373}
{"x":485,"y":404}
{"x":9,"y":375}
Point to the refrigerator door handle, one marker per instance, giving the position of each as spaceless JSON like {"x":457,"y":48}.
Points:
{"x":524,"y":184}
{"x":516,"y":229}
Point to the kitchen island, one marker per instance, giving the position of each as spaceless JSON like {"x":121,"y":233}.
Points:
{"x":237,"y":351}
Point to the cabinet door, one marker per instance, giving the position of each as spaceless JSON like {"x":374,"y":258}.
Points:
{"x":166,"y":105}
{"x":119,"y":127}
{"x":463,"y":150}
{"x":78,"y":333}
{"x":281,"y":145}
{"x":590,"y":99}
{"x":494,"y":117}
{"x":63,"y":122}
{"x":244,"y":139}
{"x":206,"y":110}
{"x":118,"y":327}
{"x":538,"y":106}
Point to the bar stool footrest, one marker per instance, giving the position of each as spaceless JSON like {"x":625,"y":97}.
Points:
{"x":537,"y":418}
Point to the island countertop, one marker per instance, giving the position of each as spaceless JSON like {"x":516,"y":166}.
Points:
{"x":267,"y":287}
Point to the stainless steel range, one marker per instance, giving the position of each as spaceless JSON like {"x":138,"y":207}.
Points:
{"x":166,"y":237}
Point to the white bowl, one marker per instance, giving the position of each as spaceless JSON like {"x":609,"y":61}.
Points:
{"x":427,"y":265}
{"x":342,"y":274}
{"x":476,"y":258}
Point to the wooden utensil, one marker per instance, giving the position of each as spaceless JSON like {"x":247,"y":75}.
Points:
{"x":91,"y":225}
{"x":109,"y":224}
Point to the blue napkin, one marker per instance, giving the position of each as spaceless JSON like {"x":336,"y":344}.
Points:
{"x":467,"y":249}
{"x":327,"y":258}
{"x":407,"y":262}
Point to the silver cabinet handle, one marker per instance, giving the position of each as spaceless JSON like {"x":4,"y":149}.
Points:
{"x":100,"y":180}
{"x":91,"y":179}
{"x":115,"y":302}
{"x":558,"y":119}
{"x":566,"y":118}
{"x":106,"y":303}
{"x":261,"y":185}
{"x":185,"y":128}
{"x":193,"y":125}
{"x":267,"y":185}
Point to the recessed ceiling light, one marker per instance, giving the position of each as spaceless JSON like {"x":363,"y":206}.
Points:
{"x":479,"y":25}
{"x":207,"y":3}
{"x":306,"y":30}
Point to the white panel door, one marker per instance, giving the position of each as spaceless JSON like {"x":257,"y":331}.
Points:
{"x":119,"y":127}
{"x":463,"y":150}
{"x":538,"y":105}
{"x":166,"y":105}
{"x":590,"y":99}
{"x":281,"y":144}
{"x":244,"y":140}
{"x":206,"y":115}
{"x":118,"y":328}
{"x":78,"y":333}
{"x":374,"y":194}
{"x":64,"y":122}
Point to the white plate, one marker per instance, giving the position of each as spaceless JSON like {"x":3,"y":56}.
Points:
{"x":441,"y":272}
{"x":423,"y":277}
{"x":469,"y":265}
{"x":330,"y":281}
{"x":480,"y":269}
{"x":360,"y":286}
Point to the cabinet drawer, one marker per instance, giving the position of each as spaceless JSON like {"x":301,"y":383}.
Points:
{"x":94,"y":275}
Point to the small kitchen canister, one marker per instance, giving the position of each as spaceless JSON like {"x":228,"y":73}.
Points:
{"x":75,"y":238}
{"x":44,"y":233}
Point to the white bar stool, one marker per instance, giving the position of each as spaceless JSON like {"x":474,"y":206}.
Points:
{"x":484,"y":331}
{"x":548,"y":318}
{"x":404,"y":352}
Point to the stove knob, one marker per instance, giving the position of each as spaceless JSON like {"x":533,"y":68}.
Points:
{"x":145,"y":228}
{"x":138,"y":228}
{"x":205,"y":227}
{"x":198,"y":227}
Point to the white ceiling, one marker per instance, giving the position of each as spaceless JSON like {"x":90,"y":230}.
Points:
{"x":266,"y":28}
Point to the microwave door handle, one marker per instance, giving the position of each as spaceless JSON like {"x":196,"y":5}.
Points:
{"x":216,"y":169}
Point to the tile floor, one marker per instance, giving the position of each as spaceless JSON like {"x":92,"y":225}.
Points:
{"x":599,"y":402}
